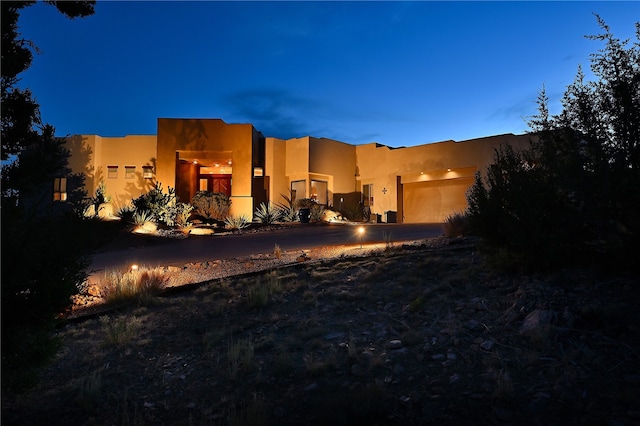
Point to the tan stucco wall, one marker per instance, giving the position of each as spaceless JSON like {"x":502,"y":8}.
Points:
{"x":380,"y":165}
{"x":334,"y":160}
{"x":92,"y":154}
{"x":309,"y":159}
{"x":275,"y":169}
{"x":202,"y":135}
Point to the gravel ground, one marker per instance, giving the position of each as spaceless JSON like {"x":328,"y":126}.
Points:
{"x":90,"y":301}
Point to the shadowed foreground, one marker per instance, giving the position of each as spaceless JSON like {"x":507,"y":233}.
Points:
{"x":412,"y":335}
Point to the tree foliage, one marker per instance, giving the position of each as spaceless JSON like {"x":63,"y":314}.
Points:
{"x":571,"y":197}
{"x":20,"y":112}
{"x":43,"y":245}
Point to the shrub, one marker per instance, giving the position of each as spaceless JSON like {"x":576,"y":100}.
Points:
{"x":119,"y":331}
{"x":101,"y":196}
{"x":161,"y":205}
{"x":316,"y":212}
{"x":267,"y":214}
{"x":572,"y":196}
{"x":183,"y":214}
{"x":43,"y":264}
{"x":133,"y":285}
{"x":305,"y":203}
{"x":211,"y":205}
{"x":456,"y":225}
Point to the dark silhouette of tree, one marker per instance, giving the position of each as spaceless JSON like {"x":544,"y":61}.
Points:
{"x":572,"y":197}
{"x":43,"y":254}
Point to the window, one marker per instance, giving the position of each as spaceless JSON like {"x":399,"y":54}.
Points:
{"x":298,"y":189}
{"x":367,"y":195}
{"x":60,"y":189}
{"x":147,"y":172}
{"x":319,"y":191}
{"x":129,"y":172}
{"x":112,"y":172}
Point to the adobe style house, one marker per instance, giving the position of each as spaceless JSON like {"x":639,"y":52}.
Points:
{"x":420,"y":184}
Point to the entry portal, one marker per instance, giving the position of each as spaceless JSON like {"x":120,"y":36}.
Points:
{"x":215,"y":183}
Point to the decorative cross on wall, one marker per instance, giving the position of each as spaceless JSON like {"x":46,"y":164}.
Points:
{"x":384,"y":191}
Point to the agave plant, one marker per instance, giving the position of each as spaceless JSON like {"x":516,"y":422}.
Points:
{"x":267,"y":213}
{"x":140,"y":217}
{"x":236,"y":222}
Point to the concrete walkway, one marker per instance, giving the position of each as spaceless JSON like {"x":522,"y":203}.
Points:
{"x":179,"y":252}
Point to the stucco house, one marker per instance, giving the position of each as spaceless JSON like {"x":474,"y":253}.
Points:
{"x":419,"y":184}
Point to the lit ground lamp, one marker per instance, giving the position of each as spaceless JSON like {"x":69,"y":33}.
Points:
{"x":360,"y":233}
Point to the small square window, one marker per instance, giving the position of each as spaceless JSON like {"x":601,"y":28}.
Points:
{"x":112,"y":172}
{"x":147,"y":172}
{"x":129,"y":172}
{"x":60,"y":189}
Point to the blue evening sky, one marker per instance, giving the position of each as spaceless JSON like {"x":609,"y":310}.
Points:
{"x":397,"y":73}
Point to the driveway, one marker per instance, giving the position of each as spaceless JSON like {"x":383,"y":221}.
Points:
{"x":179,"y":252}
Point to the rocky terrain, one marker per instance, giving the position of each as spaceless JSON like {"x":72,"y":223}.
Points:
{"x":415,"y":334}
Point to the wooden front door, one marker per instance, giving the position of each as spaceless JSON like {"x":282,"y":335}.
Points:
{"x":216,"y":183}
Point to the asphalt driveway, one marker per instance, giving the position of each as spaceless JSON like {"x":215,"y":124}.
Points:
{"x":179,"y":252}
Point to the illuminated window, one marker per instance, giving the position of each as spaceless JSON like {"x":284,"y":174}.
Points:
{"x":129,"y":172}
{"x":319,"y":191}
{"x":367,"y":194}
{"x":298,"y":189}
{"x":60,"y":189}
{"x":147,"y":172}
{"x":112,"y":172}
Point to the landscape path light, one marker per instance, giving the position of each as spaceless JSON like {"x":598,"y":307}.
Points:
{"x":361,"y":233}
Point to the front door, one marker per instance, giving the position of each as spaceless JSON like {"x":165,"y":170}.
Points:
{"x":216,"y":183}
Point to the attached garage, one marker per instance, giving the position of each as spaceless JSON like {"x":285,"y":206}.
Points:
{"x":432,"y":201}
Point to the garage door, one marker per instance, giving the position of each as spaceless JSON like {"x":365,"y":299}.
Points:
{"x":433,"y":201}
